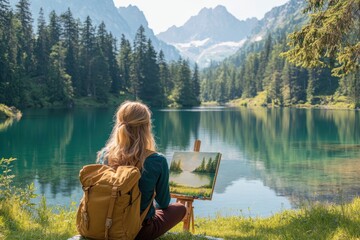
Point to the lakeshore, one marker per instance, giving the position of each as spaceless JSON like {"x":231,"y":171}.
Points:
{"x":9,"y":112}
{"x":315,"y":221}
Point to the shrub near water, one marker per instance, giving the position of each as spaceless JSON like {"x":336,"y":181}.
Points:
{"x":19,"y":219}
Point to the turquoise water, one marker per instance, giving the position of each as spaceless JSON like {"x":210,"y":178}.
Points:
{"x":272,"y":159}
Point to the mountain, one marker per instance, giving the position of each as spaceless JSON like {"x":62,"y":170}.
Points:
{"x":117,"y":20}
{"x":135,"y":17}
{"x":211,"y":35}
{"x":287,"y":16}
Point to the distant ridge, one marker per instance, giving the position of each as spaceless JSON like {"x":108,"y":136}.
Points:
{"x":214,"y":34}
{"x":211,"y":35}
{"x":215,"y":23}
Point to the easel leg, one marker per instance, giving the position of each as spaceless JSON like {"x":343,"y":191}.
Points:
{"x":189,"y":216}
{"x":192,"y":220}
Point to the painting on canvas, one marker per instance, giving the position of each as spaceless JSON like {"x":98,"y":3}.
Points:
{"x":194,"y":174}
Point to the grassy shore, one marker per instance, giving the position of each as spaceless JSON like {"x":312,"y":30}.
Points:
{"x":9,"y":112}
{"x":20,"y":219}
{"x":321,"y":102}
{"x":313,"y":222}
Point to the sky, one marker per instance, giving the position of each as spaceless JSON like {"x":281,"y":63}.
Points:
{"x":162,"y":14}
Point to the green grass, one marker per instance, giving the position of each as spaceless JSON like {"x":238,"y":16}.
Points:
{"x":315,"y":222}
{"x":257,"y":101}
{"x":209,"y":103}
{"x":323,"y":102}
{"x":19,"y":219}
{"x":111,"y":101}
{"x":39,"y":223}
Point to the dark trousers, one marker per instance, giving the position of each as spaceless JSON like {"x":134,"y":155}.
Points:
{"x":162,"y":222}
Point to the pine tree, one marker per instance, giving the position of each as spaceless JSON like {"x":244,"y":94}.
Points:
{"x":350,"y":86}
{"x":311,"y":86}
{"x":114,"y":68}
{"x":251,"y":66}
{"x":164,"y":76}
{"x":59,"y":85}
{"x":42,"y":49}
{"x":150,"y":90}
{"x":125,"y":60}
{"x":71,"y":43}
{"x":138,"y":62}
{"x":6,"y":50}
{"x":86,"y":58}
{"x":274,"y":89}
{"x":287,"y":84}
{"x":220,"y":90}
{"x":196,"y":85}
{"x":54,"y":29}
{"x":4,"y":13}
{"x":232,"y":91}
{"x":332,"y":32}
{"x":99,"y":66}
{"x":263,"y":61}
{"x":355,"y":88}
{"x":25,"y":38}
{"x":293,"y":89}
{"x":182,"y":92}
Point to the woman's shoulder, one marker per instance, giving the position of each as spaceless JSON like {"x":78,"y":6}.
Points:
{"x":156,"y":156}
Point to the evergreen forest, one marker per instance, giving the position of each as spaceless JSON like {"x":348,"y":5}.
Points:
{"x":259,"y":68}
{"x":67,"y":62}
{"x":318,"y":64}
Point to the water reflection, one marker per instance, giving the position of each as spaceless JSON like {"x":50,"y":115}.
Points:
{"x":297,"y":154}
{"x":4,"y":124}
{"x":51,"y":146}
{"x":176,"y":128}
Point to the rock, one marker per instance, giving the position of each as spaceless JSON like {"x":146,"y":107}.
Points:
{"x":77,"y":237}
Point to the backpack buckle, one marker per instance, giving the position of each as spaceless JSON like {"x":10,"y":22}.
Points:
{"x":115,"y":193}
{"x":108,"y":223}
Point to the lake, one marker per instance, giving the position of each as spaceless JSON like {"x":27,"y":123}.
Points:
{"x":272,"y":159}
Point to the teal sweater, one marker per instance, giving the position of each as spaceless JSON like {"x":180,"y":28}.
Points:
{"x":155,"y":176}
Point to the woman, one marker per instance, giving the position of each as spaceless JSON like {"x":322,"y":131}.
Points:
{"x":129,"y":144}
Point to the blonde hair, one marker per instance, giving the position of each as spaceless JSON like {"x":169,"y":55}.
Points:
{"x":131,"y":136}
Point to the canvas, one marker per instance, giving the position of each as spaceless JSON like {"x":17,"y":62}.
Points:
{"x":194,"y":174}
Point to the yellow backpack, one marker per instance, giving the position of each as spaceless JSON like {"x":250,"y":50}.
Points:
{"x":110,"y":207}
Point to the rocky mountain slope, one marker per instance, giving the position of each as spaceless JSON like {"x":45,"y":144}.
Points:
{"x":209,"y":36}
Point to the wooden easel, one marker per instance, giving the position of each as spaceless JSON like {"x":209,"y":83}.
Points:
{"x":188,"y":201}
